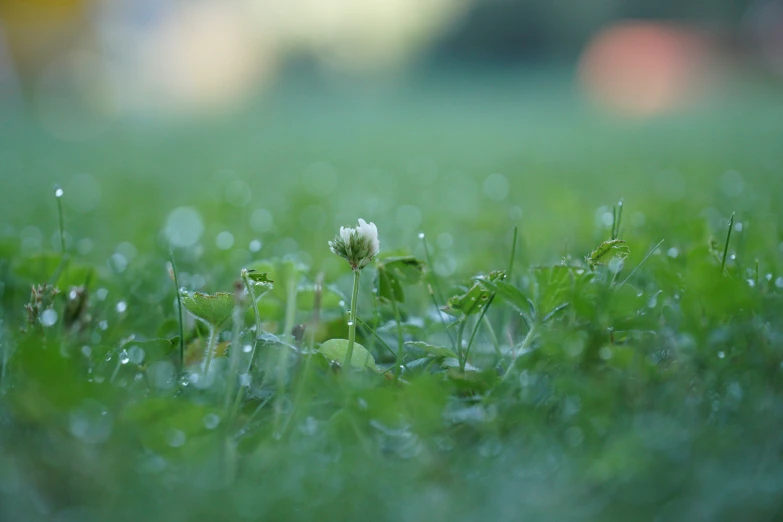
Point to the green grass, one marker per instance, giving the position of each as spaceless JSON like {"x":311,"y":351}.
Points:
{"x":630,"y":380}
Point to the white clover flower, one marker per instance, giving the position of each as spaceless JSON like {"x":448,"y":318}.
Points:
{"x":357,"y":245}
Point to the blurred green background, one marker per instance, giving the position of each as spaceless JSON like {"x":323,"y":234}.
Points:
{"x":278,"y":122}
{"x":239,"y":130}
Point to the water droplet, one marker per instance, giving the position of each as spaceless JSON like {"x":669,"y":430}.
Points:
{"x":122,"y":306}
{"x":118,"y":262}
{"x":48,"y":317}
{"x":421,"y":235}
{"x":224,"y":240}
{"x":101,"y":294}
{"x":496,"y":187}
{"x":175,"y":438}
{"x":255,"y":245}
{"x":779,"y":282}
{"x":768,"y":277}
{"x":751,"y":283}
{"x":673,"y":253}
{"x":90,"y":423}
{"x":605,"y":353}
{"x":184,"y":227}
{"x":211,"y":421}
{"x":136,"y":354}
{"x":103,"y":325}
{"x":58,"y":192}
{"x":721,"y":355}
{"x":86,"y":351}
{"x":245,"y":379}
{"x":341,"y":304}
{"x":124,"y":357}
{"x":309,"y":426}
{"x":247,"y":348}
{"x":73,"y":294}
{"x":350,"y":323}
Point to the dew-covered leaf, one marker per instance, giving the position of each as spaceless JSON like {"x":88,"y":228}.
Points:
{"x":431,"y":349}
{"x":613,"y":248}
{"x":214,"y":309}
{"x":337,"y":350}
{"x":259,"y":277}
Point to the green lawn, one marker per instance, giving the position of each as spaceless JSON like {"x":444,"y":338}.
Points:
{"x":643,"y":384}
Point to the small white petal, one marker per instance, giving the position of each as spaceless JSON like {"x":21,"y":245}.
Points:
{"x":345,"y":234}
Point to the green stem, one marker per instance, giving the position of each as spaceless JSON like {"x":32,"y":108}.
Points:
{"x":473,"y":334}
{"x":241,"y":388}
{"x":352,"y":319}
{"x":282,"y":361}
{"x":726,"y":248}
{"x":179,"y":312}
{"x":460,"y":332}
{"x":209,"y":352}
{"x":235,"y":351}
{"x":522,"y":347}
{"x":116,"y":370}
{"x":494,"y":338}
{"x":61,"y":216}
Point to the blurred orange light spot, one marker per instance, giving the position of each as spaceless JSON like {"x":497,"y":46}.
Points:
{"x":643,"y":68}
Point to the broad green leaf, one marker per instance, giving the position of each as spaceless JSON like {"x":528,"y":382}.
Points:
{"x":337,"y":349}
{"x":214,"y":309}
{"x":554,"y":286}
{"x":393,"y":272}
{"x":510,"y":294}
{"x":437,"y":351}
{"x":259,"y":277}
{"x":389,"y":287}
{"x":474,"y":299}
{"x":608,"y":249}
{"x":405,"y":268}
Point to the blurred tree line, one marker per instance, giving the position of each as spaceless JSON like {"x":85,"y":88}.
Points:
{"x":503,"y":31}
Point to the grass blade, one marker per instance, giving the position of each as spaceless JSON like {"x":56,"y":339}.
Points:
{"x":641,"y":263}
{"x":726,"y":247}
{"x":175,"y":276}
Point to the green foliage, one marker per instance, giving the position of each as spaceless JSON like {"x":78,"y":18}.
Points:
{"x":611,"y":249}
{"x":471,"y":302}
{"x":587,"y":394}
{"x":393,"y":273}
{"x":337,"y":350}
{"x":214,"y":309}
